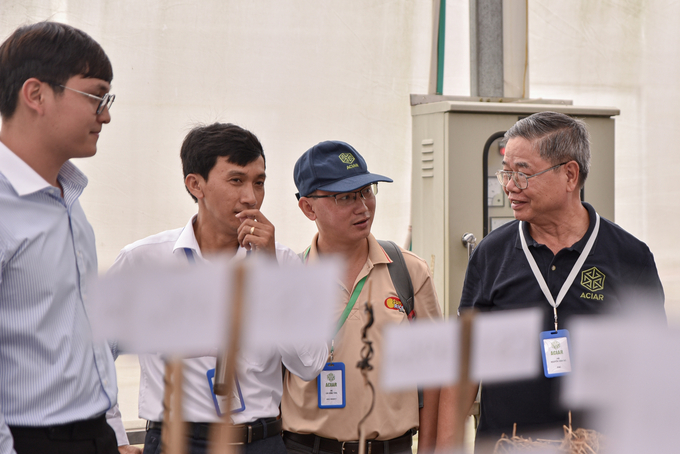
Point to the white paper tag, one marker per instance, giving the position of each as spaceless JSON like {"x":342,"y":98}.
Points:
{"x":423,"y":353}
{"x":504,"y":345}
{"x":282,"y":303}
{"x":167,"y":308}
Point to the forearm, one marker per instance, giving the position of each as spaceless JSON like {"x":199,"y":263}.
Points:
{"x":129,"y":449}
{"x":427,"y":431}
{"x":450,"y":428}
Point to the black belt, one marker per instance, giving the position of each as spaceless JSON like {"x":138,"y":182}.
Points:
{"x":75,"y":431}
{"x":372,"y":446}
{"x":243,"y":433}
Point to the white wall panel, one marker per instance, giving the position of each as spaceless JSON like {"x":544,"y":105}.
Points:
{"x":623,"y":53}
{"x":296,"y":72}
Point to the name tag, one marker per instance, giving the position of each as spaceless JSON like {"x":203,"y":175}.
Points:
{"x":555,"y":353}
{"x":234,"y":402}
{"x":331,"y":384}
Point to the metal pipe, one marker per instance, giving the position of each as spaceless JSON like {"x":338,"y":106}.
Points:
{"x":440,"y":47}
{"x":470,"y":242}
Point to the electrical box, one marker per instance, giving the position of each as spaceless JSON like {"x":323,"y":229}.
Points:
{"x":457,"y":149}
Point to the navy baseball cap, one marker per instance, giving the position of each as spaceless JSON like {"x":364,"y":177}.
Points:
{"x":332,"y":166}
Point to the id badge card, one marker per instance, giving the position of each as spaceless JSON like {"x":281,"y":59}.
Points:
{"x":331,"y":384}
{"x":555,"y":353}
{"x":235,"y":401}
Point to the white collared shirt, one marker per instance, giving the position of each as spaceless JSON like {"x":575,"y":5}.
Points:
{"x":50,"y":370}
{"x":259,"y":373}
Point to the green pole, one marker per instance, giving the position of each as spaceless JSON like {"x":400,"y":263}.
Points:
{"x":440,"y":47}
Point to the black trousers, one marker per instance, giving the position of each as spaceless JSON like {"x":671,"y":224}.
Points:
{"x":91,"y":436}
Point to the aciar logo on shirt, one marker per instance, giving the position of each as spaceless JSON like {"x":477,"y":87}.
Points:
{"x":592,"y":279}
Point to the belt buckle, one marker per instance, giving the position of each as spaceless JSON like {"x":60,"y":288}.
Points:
{"x":342,"y":446}
{"x":250,"y":433}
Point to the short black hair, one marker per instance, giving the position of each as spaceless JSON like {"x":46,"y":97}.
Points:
{"x":51,"y":52}
{"x":204,"y":144}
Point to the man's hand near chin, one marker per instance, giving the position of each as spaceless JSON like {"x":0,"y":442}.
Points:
{"x":129,"y":449}
{"x":256,"y":233}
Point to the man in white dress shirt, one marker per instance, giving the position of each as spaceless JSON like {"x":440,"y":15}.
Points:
{"x":55,"y":382}
{"x":224,"y":172}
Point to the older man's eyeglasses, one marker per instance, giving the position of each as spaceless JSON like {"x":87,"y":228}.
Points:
{"x":104,"y":101}
{"x":348,"y":198}
{"x":520,"y":179}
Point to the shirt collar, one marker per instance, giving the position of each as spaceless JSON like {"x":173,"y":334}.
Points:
{"x":313,"y":254}
{"x":20,"y":175}
{"x":578,"y":246}
{"x":187,"y":240}
{"x":26,"y":181}
{"x":376,"y":254}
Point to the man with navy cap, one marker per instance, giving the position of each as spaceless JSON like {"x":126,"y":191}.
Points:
{"x":338,"y":193}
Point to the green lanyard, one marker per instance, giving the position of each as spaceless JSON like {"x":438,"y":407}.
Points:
{"x":352,"y":300}
{"x":350,"y":305}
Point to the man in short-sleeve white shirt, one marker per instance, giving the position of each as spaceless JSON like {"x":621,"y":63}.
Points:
{"x":224,"y":172}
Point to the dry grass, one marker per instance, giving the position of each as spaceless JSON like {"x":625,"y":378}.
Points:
{"x":579,"y":441}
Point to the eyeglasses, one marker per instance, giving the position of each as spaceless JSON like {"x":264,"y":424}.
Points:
{"x":520,"y":179}
{"x":348,"y":198}
{"x":105,"y":101}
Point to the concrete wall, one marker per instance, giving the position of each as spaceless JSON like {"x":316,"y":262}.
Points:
{"x":297,"y":72}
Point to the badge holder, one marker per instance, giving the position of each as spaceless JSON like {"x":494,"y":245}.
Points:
{"x":221,"y":402}
{"x":331,"y":384}
{"x":555,"y":353}
{"x":331,"y":380}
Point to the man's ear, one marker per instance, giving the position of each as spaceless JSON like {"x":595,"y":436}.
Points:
{"x":32,"y":95}
{"x":307,"y":208}
{"x":573,"y":172}
{"x":194,"y":184}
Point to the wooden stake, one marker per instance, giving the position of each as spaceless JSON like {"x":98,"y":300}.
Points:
{"x":362,"y":432}
{"x":221,"y":437}
{"x":173,"y":436}
{"x":464,"y":376}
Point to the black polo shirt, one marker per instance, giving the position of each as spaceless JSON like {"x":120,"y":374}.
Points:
{"x":618,"y":273}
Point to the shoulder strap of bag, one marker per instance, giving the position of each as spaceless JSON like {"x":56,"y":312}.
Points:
{"x":401,"y":279}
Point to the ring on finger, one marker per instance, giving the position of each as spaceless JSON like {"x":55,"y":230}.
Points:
{"x":252,"y":229}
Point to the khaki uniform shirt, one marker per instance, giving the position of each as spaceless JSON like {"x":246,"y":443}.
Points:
{"x":394,"y":413}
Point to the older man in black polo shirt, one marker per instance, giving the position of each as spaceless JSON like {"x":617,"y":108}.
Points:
{"x":529,"y":262}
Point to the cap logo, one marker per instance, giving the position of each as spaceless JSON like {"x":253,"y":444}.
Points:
{"x":348,"y":159}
